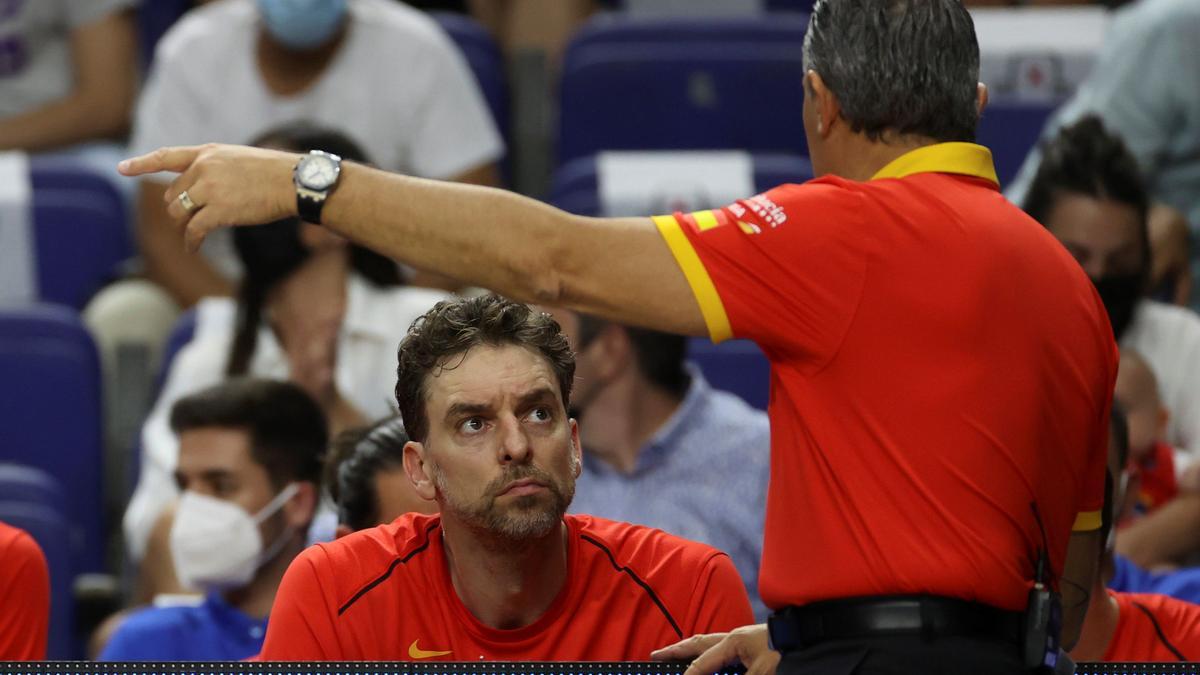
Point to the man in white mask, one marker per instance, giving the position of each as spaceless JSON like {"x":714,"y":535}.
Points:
{"x":249,"y":467}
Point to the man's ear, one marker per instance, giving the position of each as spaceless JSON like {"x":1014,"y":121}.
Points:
{"x":828,"y":110}
{"x":981,"y":98}
{"x":301,"y":509}
{"x":418,"y":472}
{"x":576,"y":448}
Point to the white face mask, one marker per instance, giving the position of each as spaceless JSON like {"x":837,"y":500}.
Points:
{"x":216,"y":545}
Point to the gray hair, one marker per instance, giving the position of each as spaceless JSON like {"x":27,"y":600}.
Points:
{"x":903,"y":67}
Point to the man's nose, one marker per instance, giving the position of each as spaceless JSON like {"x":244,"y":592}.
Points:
{"x":514,"y":442}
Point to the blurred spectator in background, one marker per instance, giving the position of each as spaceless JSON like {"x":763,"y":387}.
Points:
{"x":1142,"y":87}
{"x":311,"y":308}
{"x":1089,"y":194}
{"x":663,"y":448}
{"x":1127,"y":626}
{"x":366,"y":479}
{"x":24,"y":597}
{"x":1151,"y":467}
{"x":383,"y":73}
{"x":68,"y":72}
{"x":249,"y":467}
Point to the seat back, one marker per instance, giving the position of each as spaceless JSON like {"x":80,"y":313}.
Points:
{"x":1011,"y":130}
{"x":736,"y":366}
{"x":681,"y":83}
{"x":50,"y":415}
{"x":81,"y":232}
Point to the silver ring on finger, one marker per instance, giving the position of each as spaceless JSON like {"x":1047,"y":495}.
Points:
{"x":186,"y":202}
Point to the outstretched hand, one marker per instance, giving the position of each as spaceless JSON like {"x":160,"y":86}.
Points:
{"x":708,"y":654}
{"x":226,"y":185}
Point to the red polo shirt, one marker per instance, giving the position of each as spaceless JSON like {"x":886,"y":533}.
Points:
{"x":1154,"y":628}
{"x":939,"y":363}
{"x":24,"y":597}
{"x":386,"y":594}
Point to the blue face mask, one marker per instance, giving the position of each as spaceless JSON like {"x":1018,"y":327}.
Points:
{"x":302,"y":24}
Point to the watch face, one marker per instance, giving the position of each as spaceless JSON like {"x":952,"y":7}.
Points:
{"x":317,"y":172}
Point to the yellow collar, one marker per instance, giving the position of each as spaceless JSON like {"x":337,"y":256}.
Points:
{"x":967,"y":159}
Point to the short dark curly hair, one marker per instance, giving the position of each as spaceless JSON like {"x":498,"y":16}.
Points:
{"x":453,"y":327}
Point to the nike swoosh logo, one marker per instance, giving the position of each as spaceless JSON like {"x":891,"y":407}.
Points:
{"x":416,"y":652}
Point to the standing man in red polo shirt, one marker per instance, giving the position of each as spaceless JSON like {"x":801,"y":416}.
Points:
{"x":942,"y":369}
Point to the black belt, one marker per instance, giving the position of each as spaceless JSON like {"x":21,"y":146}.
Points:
{"x":927,"y":616}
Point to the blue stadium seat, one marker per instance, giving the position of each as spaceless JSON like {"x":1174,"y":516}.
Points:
{"x":20,"y":483}
{"x":1011,"y":130}
{"x":81,"y":232}
{"x":49,"y":529}
{"x":575,"y":187}
{"x":484,"y":57}
{"x":50,"y":415}
{"x":736,"y":366}
{"x":665,"y":83}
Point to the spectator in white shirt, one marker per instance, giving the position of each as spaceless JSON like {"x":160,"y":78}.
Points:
{"x":382,"y":73}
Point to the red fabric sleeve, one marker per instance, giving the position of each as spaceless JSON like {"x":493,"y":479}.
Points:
{"x":1092,"y":493}
{"x":302,"y":619}
{"x":788,"y":266}
{"x":719,"y":602}
{"x":24,"y":597}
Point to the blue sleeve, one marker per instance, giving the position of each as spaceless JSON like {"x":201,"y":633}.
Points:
{"x":1129,"y":578}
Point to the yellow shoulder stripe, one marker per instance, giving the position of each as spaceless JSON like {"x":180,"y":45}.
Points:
{"x":702,"y":286}
{"x":1086,"y":521}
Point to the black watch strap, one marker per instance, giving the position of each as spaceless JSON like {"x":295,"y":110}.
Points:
{"x":309,"y":208}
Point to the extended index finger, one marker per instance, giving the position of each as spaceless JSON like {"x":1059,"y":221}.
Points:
{"x":176,"y":159}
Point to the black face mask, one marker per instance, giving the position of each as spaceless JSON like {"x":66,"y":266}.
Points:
{"x":1120,"y":293}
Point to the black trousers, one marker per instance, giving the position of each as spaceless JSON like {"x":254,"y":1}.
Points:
{"x":905,"y":655}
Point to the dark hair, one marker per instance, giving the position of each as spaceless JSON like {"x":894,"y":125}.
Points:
{"x":287,"y":428}
{"x":908,"y":67}
{"x":271,"y":253}
{"x":1086,"y":159}
{"x":453,"y":327}
{"x":358,"y":455}
{"x":659,"y":356}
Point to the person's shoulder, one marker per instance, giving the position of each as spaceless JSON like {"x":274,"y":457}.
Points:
{"x":647,"y":551}
{"x":1171,"y":318}
{"x":17,"y":544}
{"x":153,"y":632}
{"x":360,"y":558}
{"x":205,"y":29}
{"x":1170,"y":612}
{"x":729,"y":409}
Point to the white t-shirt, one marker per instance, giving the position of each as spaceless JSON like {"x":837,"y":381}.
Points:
{"x":398,"y":87}
{"x":1168,"y":337}
{"x":375,"y":323}
{"x":35,"y":48}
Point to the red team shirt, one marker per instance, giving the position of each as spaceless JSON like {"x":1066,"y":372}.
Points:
{"x":24,"y":597}
{"x":386,"y":593}
{"x":938,"y":363}
{"x":1154,"y":628}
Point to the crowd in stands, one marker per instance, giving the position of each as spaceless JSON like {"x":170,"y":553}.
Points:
{"x":270,"y":453}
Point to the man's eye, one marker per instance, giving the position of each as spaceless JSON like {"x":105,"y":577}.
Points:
{"x":540,"y":415}
{"x":472,"y":425}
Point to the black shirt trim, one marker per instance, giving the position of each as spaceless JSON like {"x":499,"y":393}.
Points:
{"x":384,"y":577}
{"x":632,"y":575}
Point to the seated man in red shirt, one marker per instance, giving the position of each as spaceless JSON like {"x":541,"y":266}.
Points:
{"x":484,"y":387}
{"x":1132,"y":626}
